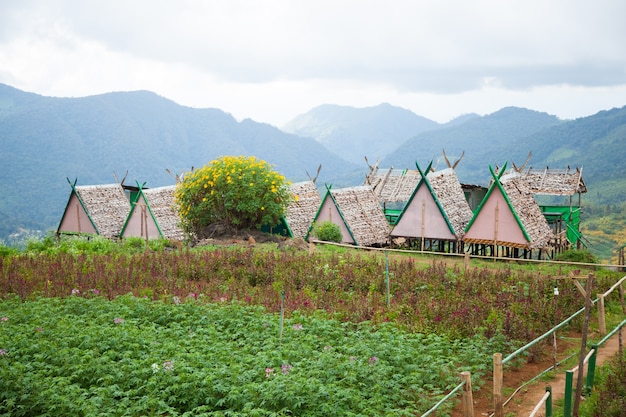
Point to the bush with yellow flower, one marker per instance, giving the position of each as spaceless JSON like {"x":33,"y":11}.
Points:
{"x":240,"y":192}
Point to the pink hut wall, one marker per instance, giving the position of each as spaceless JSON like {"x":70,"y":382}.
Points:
{"x":329,"y":212}
{"x":484,"y":226}
{"x":134,"y":225}
{"x":423,"y":210}
{"x":75,"y":218}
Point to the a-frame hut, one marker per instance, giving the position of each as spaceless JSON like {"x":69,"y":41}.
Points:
{"x":301,"y":211}
{"x":508,"y":219}
{"x":563,"y":218}
{"x":357,"y":212}
{"x":436,"y":213}
{"x":95,"y":209}
{"x":154,"y":215}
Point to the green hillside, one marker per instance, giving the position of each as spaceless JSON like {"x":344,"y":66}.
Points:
{"x":136,"y":134}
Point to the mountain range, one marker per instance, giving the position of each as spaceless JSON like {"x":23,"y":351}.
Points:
{"x":139,"y":135}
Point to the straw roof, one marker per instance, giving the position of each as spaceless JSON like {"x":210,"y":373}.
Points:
{"x":106,"y":206}
{"x":528,"y":211}
{"x":301,"y":210}
{"x":392,"y":185}
{"x":363,"y":214}
{"x":449,"y":192}
{"x":555,"y":182}
{"x":360,"y":215}
{"x":164,"y":210}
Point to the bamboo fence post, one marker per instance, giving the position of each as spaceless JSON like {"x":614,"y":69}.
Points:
{"x":554,"y":349}
{"x":601,"y":317}
{"x":621,"y":297}
{"x":497,"y":384}
{"x":468,"y":399}
{"x":466,"y":262}
{"x":282,"y":317}
{"x":387,"y":297}
{"x":583,"y":345}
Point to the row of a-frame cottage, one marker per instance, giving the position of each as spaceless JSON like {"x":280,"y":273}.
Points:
{"x":428,"y":209}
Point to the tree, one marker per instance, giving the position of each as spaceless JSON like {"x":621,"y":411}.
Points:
{"x":234,"y":191}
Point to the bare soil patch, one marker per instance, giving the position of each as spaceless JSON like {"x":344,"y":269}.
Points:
{"x":524,"y":401}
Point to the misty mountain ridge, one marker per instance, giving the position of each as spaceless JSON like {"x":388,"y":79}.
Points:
{"x":356,"y":132}
{"x":139,"y":134}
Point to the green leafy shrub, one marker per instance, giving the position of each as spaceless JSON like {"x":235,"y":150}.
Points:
{"x":235,"y":191}
{"x":575,"y":255}
{"x":327,"y":231}
{"x":609,"y":396}
{"x":95,"y":245}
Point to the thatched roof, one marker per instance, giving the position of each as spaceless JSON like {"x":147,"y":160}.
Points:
{"x":555,"y":181}
{"x":301,"y":210}
{"x":358,"y":212}
{"x":533,"y":220}
{"x":102,"y":209}
{"x":392,"y":185}
{"x":450,"y":194}
{"x":160,"y":202}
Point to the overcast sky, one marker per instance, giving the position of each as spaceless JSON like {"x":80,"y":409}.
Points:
{"x":271,"y":60}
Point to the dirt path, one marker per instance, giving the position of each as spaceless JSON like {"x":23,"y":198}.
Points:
{"x":524,"y":401}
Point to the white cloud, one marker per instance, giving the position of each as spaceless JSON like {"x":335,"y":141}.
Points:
{"x":274,"y":59}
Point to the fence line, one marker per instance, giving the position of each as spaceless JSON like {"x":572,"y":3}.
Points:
{"x":461,"y":255}
{"x":590,"y":356}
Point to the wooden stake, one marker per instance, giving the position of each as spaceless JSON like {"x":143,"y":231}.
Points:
{"x":601,"y":317}
{"x":497,"y":384}
{"x":468,"y":399}
{"x":554,"y":350}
